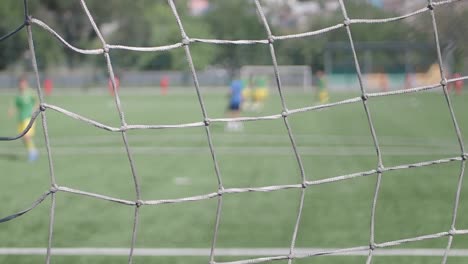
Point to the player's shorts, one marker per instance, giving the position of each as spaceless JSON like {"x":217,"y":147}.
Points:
{"x":323,"y":96}
{"x":234,"y":106}
{"x":23,"y":125}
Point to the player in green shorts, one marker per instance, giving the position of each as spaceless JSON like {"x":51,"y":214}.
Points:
{"x":24,"y":105}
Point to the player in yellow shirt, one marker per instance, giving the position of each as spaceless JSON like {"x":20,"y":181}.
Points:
{"x":260,"y":92}
{"x":322,"y":91}
{"x":247,"y":94}
{"x":24,"y":104}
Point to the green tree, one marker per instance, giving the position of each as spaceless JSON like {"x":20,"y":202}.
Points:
{"x":310,"y":51}
{"x":150,"y":23}
{"x":230,"y":20}
{"x":69,"y":20}
{"x":13,"y":48}
{"x":451,"y":24}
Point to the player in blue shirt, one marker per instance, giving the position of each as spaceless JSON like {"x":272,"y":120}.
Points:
{"x":235,"y":101}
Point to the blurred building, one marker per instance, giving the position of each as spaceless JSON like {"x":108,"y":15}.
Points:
{"x":296,"y":13}
{"x":399,"y":6}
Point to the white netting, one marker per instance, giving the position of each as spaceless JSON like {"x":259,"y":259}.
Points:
{"x":270,"y":39}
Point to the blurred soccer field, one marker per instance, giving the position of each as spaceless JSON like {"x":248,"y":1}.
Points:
{"x":176,"y":163}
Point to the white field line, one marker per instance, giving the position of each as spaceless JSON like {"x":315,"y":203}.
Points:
{"x":248,"y":151}
{"x":187,"y":252}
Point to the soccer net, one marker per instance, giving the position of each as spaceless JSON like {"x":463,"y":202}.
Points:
{"x":205,"y":121}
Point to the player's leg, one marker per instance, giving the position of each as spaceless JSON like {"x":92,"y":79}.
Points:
{"x":263,"y":96}
{"x":234,"y":112}
{"x":29,"y":141}
{"x":247,"y":98}
{"x":33,"y":154}
{"x":256,"y":99}
{"x":237,"y":125}
{"x":229,"y":124}
{"x":323,"y":96}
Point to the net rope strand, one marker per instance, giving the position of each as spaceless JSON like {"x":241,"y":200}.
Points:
{"x":364,"y":97}
{"x":186,"y":43}
{"x":284,"y":115}
{"x":124,"y":132}
{"x":456,"y":127}
{"x":221,"y":191}
{"x":46,"y":133}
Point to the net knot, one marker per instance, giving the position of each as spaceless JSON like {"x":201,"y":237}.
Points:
{"x":206,"y":122}
{"x":364,"y":97}
{"x":464,"y":156}
{"x":106,"y":49}
{"x":430,"y":6}
{"x":372,"y":246}
{"x":304,"y":185}
{"x":452,"y":232}
{"x":27,"y":20}
{"x":380,"y":169}
{"x":284,"y":113}
{"x":443,"y":82}
{"x":139,"y":203}
{"x":185,"y":41}
{"x":53,"y":188}
{"x":347,"y":22}
{"x":271,"y":39}
{"x":42,"y":107}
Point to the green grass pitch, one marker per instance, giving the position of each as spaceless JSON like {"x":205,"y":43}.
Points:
{"x":176,"y":163}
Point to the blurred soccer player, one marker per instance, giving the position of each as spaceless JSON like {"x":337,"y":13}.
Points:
{"x":235,"y":101}
{"x":247,"y":94}
{"x":458,"y":84}
{"x":110,"y":87}
{"x":260,"y":92}
{"x":48,"y":86}
{"x":322,"y":91}
{"x":24,"y":105}
{"x":383,"y":81}
{"x":164,"y":84}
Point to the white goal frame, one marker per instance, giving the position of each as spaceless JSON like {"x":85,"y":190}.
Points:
{"x":288,"y":74}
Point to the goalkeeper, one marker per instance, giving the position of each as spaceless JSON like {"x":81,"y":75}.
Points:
{"x":24,"y":105}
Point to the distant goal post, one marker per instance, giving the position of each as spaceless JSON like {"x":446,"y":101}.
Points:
{"x":296,"y":78}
